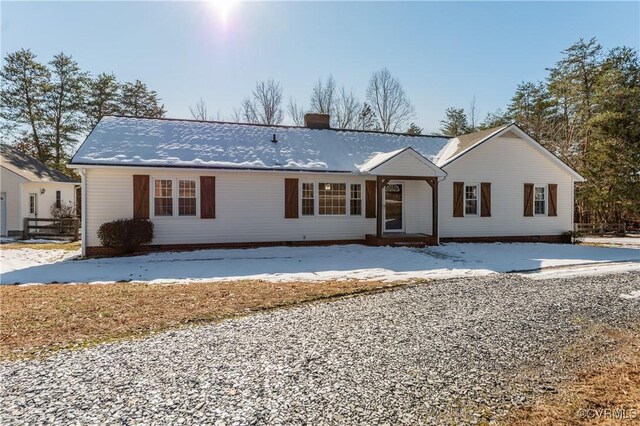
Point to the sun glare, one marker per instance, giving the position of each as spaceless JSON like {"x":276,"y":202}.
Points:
{"x":224,"y":9}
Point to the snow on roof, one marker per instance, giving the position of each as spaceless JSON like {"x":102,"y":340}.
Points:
{"x":378,"y":159}
{"x":186,"y":143}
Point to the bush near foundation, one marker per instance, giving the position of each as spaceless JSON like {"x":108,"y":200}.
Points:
{"x":126,"y":235}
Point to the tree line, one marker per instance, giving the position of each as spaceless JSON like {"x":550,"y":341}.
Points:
{"x":386,"y":106}
{"x":46,"y":109}
{"x":587,"y":112}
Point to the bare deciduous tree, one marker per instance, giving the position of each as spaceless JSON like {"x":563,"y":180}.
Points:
{"x":236,"y":115}
{"x":473,"y":115}
{"x":389,"y":101}
{"x":200,"y":111}
{"x":347,"y":110}
{"x":323,"y":96}
{"x":296,"y":112}
{"x":264,"y":106}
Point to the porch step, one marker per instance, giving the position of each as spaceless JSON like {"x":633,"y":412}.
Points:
{"x":401,"y":240}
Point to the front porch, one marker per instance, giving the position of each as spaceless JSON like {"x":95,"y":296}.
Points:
{"x":406,"y":196}
{"x":393,"y":223}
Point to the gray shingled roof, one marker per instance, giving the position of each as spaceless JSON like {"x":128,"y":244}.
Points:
{"x":28,"y":167}
{"x":130,"y":141}
{"x":463,"y":142}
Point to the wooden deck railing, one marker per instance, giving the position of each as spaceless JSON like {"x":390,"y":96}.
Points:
{"x":51,"y":227}
{"x":600,"y":228}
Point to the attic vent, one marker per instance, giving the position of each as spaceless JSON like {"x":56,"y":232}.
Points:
{"x":274,"y":140}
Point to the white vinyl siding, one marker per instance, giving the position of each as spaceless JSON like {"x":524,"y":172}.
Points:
{"x":48,"y":199}
{"x":110,"y":197}
{"x":11,"y":185}
{"x":508,"y":163}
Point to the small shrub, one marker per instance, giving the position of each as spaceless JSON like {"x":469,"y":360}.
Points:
{"x":64,"y":211}
{"x":570,"y":237}
{"x":127,"y":235}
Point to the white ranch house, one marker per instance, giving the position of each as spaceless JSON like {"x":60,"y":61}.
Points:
{"x":216,"y":184}
{"x":28,"y":189}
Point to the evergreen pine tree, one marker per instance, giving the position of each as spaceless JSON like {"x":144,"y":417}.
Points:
{"x":612,"y":163}
{"x":22,"y":102}
{"x":64,"y":105}
{"x":414,"y":129}
{"x":102,"y":97}
{"x":137,"y":100}
{"x":367,"y":119}
{"x":455,"y":122}
{"x":494,"y":119}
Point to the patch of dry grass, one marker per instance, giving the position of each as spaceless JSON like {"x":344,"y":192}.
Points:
{"x":69,"y":246}
{"x":607,"y":394}
{"x":35,"y":320}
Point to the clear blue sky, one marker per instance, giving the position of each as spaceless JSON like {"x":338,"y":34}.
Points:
{"x":443,"y":53}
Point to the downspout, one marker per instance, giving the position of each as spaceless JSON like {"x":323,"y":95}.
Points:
{"x":20,"y":209}
{"x":83,"y":203}
{"x":439,"y":212}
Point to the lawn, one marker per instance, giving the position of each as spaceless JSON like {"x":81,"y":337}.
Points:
{"x":39,"y":319}
{"x":54,"y":245}
{"x":605,"y":394}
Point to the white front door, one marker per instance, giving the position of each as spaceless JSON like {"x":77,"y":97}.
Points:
{"x":393,"y":208}
{"x":3,"y":214}
{"x":33,"y":205}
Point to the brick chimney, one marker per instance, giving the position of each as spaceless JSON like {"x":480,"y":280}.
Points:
{"x":317,"y":121}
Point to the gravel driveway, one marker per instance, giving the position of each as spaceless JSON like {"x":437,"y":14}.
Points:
{"x":463,"y":349}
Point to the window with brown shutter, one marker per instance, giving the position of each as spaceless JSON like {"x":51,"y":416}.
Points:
{"x":553,"y":200}
{"x":485,"y":201}
{"x":458,"y":199}
{"x":291,"y":198}
{"x":528,"y":199}
{"x":207,"y":197}
{"x":370,"y":198}
{"x":141,"y":196}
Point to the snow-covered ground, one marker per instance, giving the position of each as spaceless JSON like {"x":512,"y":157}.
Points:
{"x":318,"y":263}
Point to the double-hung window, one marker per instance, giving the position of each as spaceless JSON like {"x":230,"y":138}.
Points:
{"x":308,"y":199}
{"x":540,"y":200}
{"x":186,"y":197}
{"x":163,"y":197}
{"x":471,"y":200}
{"x":174,"y":197}
{"x":332,"y":198}
{"x":355,"y":200}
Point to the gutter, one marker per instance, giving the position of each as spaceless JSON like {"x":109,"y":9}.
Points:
{"x":204,"y":168}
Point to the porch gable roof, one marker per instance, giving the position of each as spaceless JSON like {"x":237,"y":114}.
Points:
{"x":402,"y":162}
